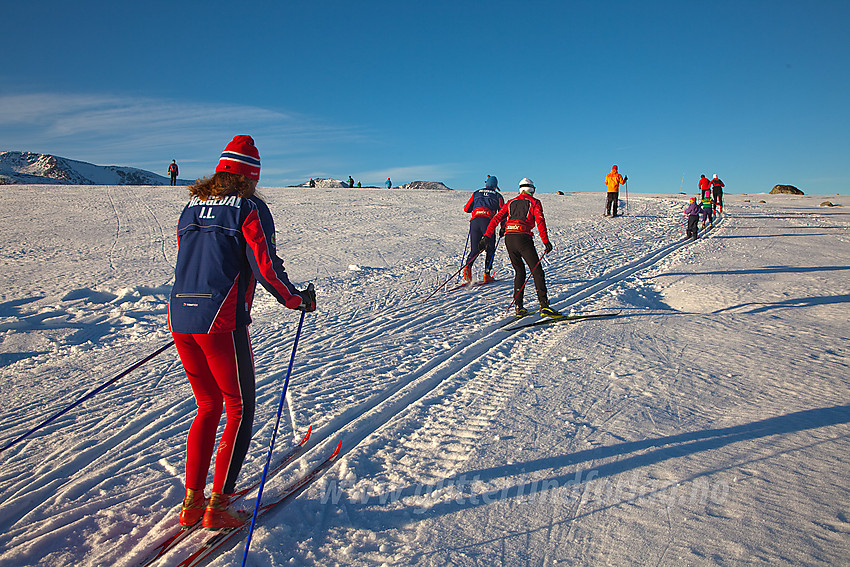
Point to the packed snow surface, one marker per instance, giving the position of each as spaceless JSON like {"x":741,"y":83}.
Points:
{"x":707,"y":424}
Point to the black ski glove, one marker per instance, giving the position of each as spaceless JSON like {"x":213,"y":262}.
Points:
{"x":626,"y":178}
{"x":482,"y":244}
{"x":308,"y":299}
{"x":502,"y":232}
{"x":548,"y":247}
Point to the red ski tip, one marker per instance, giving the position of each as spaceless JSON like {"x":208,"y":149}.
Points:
{"x":336,"y":451}
{"x":306,"y":435}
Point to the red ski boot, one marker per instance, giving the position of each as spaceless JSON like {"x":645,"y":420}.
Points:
{"x":193,"y":508}
{"x":467,"y":274}
{"x":220,"y":516}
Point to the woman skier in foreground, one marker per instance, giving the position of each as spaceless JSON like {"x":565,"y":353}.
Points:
{"x":226,"y":243}
{"x":521,"y":214}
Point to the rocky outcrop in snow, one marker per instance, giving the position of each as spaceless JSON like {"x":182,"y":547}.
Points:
{"x":785,"y":189}
{"x":326,"y":183}
{"x":323,"y":183}
{"x":425,"y":185}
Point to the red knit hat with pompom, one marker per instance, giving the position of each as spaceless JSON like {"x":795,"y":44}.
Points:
{"x":241,"y":156}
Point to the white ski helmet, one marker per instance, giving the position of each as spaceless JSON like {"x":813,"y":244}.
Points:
{"x":526,"y":185}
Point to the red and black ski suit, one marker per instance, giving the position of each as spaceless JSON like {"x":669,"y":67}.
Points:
{"x":520,"y":215}
{"x":717,"y":192}
{"x":225,"y":246}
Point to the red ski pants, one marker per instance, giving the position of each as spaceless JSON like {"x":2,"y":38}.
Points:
{"x":220,"y":368}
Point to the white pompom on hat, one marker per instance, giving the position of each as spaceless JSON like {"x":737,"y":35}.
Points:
{"x":526,"y":185}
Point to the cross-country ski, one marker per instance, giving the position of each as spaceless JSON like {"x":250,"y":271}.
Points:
{"x":223,"y":538}
{"x":179,"y":534}
{"x":561,"y":319}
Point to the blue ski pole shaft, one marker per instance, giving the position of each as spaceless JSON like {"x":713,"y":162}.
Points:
{"x":463,"y":257}
{"x":86,"y":397}
{"x":490,"y":267}
{"x":274,"y":435}
{"x":465,"y":247}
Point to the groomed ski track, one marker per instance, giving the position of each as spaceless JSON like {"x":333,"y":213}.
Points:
{"x":438,"y":372}
{"x":481,"y":365}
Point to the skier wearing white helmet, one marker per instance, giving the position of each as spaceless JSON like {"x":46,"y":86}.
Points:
{"x":520,"y":215}
{"x":717,"y":193}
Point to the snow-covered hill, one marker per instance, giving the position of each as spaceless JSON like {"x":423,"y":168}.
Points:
{"x":31,"y":168}
{"x":707,"y":424}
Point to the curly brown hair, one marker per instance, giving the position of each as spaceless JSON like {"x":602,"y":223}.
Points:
{"x":223,"y":183}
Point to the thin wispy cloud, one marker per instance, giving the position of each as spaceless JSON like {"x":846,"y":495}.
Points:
{"x":145,"y":132}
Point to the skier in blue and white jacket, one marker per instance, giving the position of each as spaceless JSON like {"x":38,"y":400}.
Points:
{"x":226,"y":244}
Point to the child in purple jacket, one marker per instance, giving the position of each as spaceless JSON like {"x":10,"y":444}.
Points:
{"x":693,"y":211}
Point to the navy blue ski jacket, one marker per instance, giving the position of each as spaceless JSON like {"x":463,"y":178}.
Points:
{"x":484,"y":203}
{"x":225,"y":245}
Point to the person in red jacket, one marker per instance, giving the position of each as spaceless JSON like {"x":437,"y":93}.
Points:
{"x":173,"y":171}
{"x":717,"y":192}
{"x":520,"y":215}
{"x":226,"y":245}
{"x":704,"y":185}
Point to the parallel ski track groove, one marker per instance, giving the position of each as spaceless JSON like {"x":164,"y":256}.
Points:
{"x":358,"y":423}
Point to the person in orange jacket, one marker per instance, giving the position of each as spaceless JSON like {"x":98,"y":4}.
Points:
{"x":613,"y":181}
{"x":520,"y":215}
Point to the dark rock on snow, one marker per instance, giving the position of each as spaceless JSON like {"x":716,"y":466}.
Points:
{"x":785,"y":190}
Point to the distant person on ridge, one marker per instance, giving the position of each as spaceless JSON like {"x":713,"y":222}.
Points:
{"x":483,"y":204}
{"x":520,"y":214}
{"x":388,"y":183}
{"x":350,"y":182}
{"x":717,"y":192}
{"x":172,"y":171}
{"x":612,"y":182}
{"x":692,"y":211}
{"x":226,"y":244}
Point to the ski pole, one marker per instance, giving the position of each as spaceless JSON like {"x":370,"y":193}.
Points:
{"x":526,"y":280}
{"x":498,"y":241}
{"x":274,"y":434}
{"x":439,"y":287}
{"x":87,"y":396}
{"x":626,"y":185}
{"x":464,"y":249}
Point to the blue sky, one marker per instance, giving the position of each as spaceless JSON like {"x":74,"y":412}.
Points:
{"x":445,"y":91}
